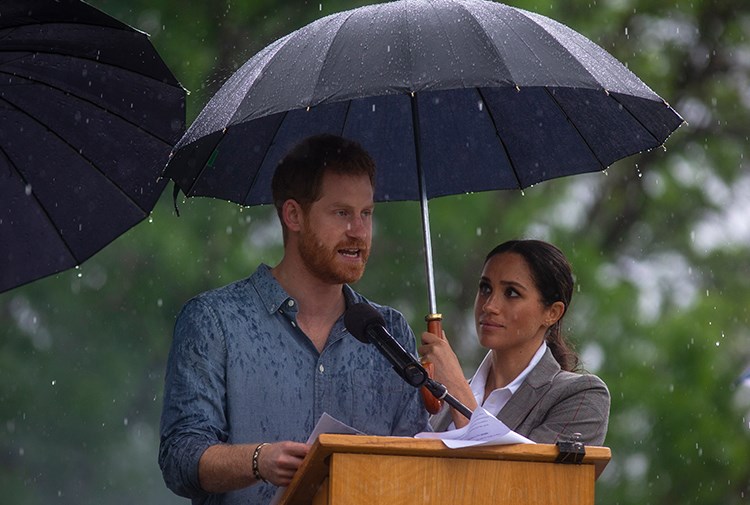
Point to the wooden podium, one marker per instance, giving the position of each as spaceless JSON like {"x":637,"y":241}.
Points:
{"x":356,"y":469}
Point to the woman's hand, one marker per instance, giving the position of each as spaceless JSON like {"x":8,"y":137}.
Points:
{"x":447,"y":370}
{"x":438,"y":351}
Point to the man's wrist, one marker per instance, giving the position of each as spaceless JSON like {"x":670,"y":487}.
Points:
{"x":256,"y":462}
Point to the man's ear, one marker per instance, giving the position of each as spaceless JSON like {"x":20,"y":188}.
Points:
{"x":291,"y":213}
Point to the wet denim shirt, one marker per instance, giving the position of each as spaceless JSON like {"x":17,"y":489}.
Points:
{"x":241,"y":371}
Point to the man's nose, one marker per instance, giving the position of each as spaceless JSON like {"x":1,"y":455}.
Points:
{"x":358,"y":227}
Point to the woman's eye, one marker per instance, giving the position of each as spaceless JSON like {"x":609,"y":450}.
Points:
{"x":484,"y":288}
{"x":511,"y":293}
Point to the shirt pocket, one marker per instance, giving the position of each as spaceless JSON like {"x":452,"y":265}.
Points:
{"x":377,"y":400}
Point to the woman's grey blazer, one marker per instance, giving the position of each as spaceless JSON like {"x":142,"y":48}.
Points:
{"x":551,"y":404}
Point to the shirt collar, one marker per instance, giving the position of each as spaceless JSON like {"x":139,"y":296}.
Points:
{"x":479,"y":380}
{"x":275,"y":297}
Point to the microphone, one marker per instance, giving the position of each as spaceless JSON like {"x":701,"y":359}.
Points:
{"x":368,"y":326}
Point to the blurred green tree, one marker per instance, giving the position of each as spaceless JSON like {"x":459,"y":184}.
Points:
{"x":659,"y":243}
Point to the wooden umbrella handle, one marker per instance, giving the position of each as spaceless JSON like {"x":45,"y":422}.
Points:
{"x":434,"y":325}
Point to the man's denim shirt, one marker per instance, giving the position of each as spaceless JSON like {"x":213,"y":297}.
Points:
{"x":241,"y":371}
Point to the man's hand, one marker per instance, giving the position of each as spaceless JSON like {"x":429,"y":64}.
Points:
{"x":278,"y":462}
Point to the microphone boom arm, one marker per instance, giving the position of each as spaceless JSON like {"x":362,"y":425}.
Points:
{"x":414,"y":373}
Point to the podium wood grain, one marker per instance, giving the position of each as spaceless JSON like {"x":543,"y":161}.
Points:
{"x":347,"y":469}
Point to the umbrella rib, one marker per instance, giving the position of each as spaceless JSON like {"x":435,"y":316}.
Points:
{"x":324,"y":58}
{"x":572,"y":123}
{"x":487,"y":38}
{"x":346,"y":118}
{"x":263,"y":161}
{"x":500,"y":139}
{"x":115,"y":114}
{"x":624,"y":107}
{"x":79,"y":153}
{"x":168,"y":78}
{"x":40,"y":204}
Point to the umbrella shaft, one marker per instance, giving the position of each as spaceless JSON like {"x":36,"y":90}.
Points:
{"x":424,"y":207}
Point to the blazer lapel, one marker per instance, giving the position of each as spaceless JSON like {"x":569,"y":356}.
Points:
{"x":532,"y":390}
{"x":442,"y":419}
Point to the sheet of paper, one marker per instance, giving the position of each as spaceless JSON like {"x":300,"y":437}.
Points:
{"x":329,"y":424}
{"x":326,"y":424}
{"x":483,"y":429}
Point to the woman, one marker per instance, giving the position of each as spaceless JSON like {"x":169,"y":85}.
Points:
{"x":529,"y":378}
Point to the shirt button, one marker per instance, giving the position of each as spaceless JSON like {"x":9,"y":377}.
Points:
{"x":290,"y":303}
{"x":321,"y":368}
{"x":294,"y":324}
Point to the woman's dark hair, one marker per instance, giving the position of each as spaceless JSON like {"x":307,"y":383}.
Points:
{"x":553,"y":277}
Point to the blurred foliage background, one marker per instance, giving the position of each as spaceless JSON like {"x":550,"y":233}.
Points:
{"x":660,"y":245}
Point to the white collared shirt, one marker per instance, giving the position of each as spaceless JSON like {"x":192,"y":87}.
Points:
{"x":497,"y":399}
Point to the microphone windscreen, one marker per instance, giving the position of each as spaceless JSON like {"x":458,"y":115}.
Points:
{"x":359,"y":317}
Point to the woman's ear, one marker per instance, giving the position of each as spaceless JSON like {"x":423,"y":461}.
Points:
{"x":291,"y":213}
{"x":554,"y":313}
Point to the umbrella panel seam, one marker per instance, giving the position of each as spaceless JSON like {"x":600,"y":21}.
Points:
{"x":80,"y":153}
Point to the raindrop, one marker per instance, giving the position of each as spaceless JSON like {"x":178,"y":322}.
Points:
{"x":125,"y":422}
{"x":373,"y":107}
{"x":481,"y":105}
{"x":320,"y":7}
{"x":54,"y":382}
{"x":159,"y":302}
{"x":150,"y":219}
{"x":28,"y":189}
{"x":479,"y":231}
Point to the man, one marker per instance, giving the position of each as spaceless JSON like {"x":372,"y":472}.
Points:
{"x":254,"y":364}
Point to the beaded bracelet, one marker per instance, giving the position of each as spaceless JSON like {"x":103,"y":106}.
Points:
{"x":256,"y":467}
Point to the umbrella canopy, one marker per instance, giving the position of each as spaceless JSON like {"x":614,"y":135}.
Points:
{"x":88,"y":115}
{"x":449,"y":96}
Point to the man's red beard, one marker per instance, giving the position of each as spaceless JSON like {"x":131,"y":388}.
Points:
{"x":326,"y":264}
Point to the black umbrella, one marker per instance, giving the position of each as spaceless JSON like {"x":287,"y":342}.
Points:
{"x":88,"y":115}
{"x":449,"y":96}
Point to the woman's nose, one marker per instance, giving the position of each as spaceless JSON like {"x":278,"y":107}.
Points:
{"x":491,"y":304}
